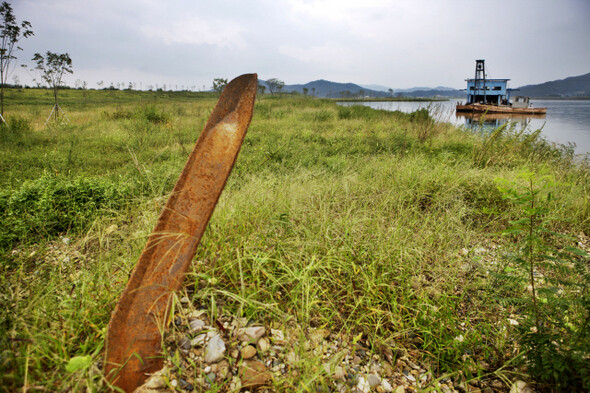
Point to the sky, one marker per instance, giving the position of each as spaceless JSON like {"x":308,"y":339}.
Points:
{"x":393,"y":43}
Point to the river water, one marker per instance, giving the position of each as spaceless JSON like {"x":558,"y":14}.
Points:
{"x":567,"y":121}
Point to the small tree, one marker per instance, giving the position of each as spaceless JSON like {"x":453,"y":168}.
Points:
{"x":52,"y":68}
{"x":275,"y":85}
{"x":10,"y":33}
{"x":219,"y":84}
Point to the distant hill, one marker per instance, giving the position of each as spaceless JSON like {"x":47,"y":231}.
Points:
{"x":324,"y":88}
{"x":574,"y":86}
{"x":376,"y":87}
{"x":327,"y":89}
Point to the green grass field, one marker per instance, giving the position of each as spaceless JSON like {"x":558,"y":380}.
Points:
{"x":361,"y":221}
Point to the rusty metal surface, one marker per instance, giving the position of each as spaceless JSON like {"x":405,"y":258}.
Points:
{"x":133,"y":346}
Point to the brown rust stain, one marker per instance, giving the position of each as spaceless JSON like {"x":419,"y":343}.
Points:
{"x":133,"y":346}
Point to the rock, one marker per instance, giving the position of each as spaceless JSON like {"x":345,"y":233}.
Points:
{"x":184,"y":385}
{"x":413,"y":365}
{"x":363,"y":386}
{"x":253,"y":374}
{"x":185,"y":343}
{"x":446,"y":389}
{"x":400,"y":389}
{"x":316,"y":336}
{"x":520,"y":387}
{"x":185,"y":300}
{"x":512,"y":322}
{"x":277,"y":336}
{"x":263,"y":345}
{"x":196,"y":314}
{"x":222,"y":370}
{"x":248,"y":352}
{"x":373,"y":380}
{"x":155,"y":382}
{"x":251,"y":334}
{"x":386,"y":386}
{"x":210,"y":378}
{"x":215,"y":349}
{"x":339,"y":374}
{"x":292,"y":358}
{"x":375,"y":368}
{"x":387,"y":370}
{"x":235,"y":384}
{"x":196,"y":325}
{"x":198,"y":341}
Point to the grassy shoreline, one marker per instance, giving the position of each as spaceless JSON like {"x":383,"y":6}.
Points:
{"x":373,"y":223}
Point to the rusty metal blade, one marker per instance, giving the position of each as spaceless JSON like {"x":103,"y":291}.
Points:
{"x":133,"y":346}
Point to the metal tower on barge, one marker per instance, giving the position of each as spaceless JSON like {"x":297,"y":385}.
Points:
{"x":493,"y":96}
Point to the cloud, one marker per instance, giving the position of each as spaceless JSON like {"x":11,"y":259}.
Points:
{"x":395,"y":43}
{"x":197,"y":31}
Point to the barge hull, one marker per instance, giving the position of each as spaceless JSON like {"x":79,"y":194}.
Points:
{"x":479,"y":108}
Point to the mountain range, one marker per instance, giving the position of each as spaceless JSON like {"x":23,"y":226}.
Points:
{"x":575,"y":86}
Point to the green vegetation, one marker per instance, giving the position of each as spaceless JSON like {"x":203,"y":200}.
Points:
{"x":373,"y":223}
{"x":555,"y":330}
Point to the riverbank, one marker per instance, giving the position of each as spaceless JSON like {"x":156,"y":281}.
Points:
{"x":388,"y":233}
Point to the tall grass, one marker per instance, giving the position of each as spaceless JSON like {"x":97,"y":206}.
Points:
{"x":361,"y":221}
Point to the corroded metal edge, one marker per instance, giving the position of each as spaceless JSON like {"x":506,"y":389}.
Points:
{"x":133,"y":343}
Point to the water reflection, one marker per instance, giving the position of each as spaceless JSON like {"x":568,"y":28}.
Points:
{"x":495,"y":120}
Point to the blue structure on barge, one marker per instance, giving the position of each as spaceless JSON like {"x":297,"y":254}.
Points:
{"x":481,"y":90}
{"x":493,"y":96}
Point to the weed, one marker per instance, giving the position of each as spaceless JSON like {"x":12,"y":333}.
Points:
{"x":52,"y":205}
{"x":14,"y":129}
{"x":555,"y":328}
{"x":151,"y":114}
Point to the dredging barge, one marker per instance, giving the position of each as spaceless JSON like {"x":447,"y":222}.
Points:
{"x":493,"y":96}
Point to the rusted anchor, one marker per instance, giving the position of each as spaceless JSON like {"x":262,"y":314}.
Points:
{"x":133,"y":346}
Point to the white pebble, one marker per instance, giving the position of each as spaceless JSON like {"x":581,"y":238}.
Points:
{"x":363,"y":386}
{"x":386,"y":385}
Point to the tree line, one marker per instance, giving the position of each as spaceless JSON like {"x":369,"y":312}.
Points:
{"x":274,"y":85}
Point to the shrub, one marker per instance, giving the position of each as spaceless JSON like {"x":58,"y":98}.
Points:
{"x":52,"y":205}
{"x":554,"y":332}
{"x":151,"y":114}
{"x":14,"y":128}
